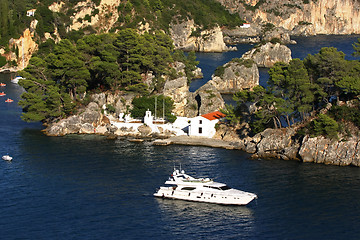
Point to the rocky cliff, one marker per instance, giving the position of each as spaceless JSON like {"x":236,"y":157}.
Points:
{"x":268,"y":54}
{"x":24,"y":47}
{"x":204,"y":100}
{"x":206,"y":41}
{"x":285,"y":144}
{"x":237,"y":75}
{"x":105,"y":18}
{"x":314,"y":16}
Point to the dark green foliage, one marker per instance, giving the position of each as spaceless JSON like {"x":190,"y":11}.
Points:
{"x":189,"y":60}
{"x":56,"y":81}
{"x":206,"y":13}
{"x":110,"y":108}
{"x":304,"y":23}
{"x":2,"y":61}
{"x":267,"y":27}
{"x":45,"y":48}
{"x":325,"y":125}
{"x":142,"y":104}
{"x":246,"y":62}
{"x":45,"y":19}
{"x":275,"y":40}
{"x":232,"y":114}
{"x":302,"y":88}
{"x":43,"y":99}
{"x":219,"y":71}
{"x":346,"y":114}
{"x":13,"y":19}
{"x":253,"y":8}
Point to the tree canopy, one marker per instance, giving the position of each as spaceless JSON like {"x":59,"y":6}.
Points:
{"x":57,"y":81}
{"x":302,"y":88}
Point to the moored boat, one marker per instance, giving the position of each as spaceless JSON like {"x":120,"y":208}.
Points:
{"x":16,"y":79}
{"x":188,"y":188}
{"x":2,"y":85}
{"x":7,"y":158}
{"x":9,"y":100}
{"x":2,"y":94}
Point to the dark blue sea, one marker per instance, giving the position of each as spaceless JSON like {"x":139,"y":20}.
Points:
{"x":89,"y":187}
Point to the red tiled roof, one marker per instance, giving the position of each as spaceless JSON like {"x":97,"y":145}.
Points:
{"x":214,"y":115}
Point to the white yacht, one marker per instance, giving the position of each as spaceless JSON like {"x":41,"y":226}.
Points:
{"x":185,"y":187}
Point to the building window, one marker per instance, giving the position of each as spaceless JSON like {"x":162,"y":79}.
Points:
{"x":200,"y":129}
{"x":200,"y":121}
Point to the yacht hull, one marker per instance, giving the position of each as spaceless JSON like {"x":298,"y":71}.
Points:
{"x":240,"y":198}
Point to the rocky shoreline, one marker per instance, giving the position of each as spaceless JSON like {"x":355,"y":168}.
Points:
{"x":281,"y":144}
{"x":270,"y":144}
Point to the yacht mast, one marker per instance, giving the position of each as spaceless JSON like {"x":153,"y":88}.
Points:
{"x":155,"y":106}
{"x":163,"y":109}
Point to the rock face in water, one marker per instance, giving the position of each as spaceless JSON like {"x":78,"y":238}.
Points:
{"x":327,"y":151}
{"x":86,"y":122}
{"x":284,"y":144}
{"x":278,"y":33}
{"x":238,"y":75}
{"x":206,"y":41}
{"x":268,"y":54}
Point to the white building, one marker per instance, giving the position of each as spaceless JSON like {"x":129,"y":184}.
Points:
{"x":204,"y":125}
{"x":148,"y":119}
{"x":245,"y":25}
{"x":30,"y":13}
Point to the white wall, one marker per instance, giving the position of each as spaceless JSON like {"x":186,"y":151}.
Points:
{"x":202,"y":127}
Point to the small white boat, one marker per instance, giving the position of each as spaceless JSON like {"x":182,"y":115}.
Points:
{"x":7,"y":158}
{"x":188,"y":188}
{"x":16,"y":79}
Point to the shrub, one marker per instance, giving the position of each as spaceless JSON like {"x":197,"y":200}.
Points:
{"x":325,"y":126}
{"x":110,"y":108}
{"x":219,"y":71}
{"x":2,"y":61}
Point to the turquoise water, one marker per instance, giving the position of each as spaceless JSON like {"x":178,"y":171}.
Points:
{"x":88,"y":187}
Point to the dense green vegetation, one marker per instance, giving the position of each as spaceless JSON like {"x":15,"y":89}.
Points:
{"x":298,"y":91}
{"x":13,"y":19}
{"x":144,"y":103}
{"x":57,"y":81}
{"x":161,"y":13}
{"x":158,"y":13}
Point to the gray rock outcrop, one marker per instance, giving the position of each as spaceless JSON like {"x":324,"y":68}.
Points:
{"x":121,"y":101}
{"x":285,"y":144}
{"x":237,"y":76}
{"x":205,"y":41}
{"x":268,"y":54}
{"x":86,"y":122}
{"x":278,"y":33}
{"x":204,"y":100}
{"x":328,"y":151}
{"x":178,"y":90}
{"x":242,"y":35}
